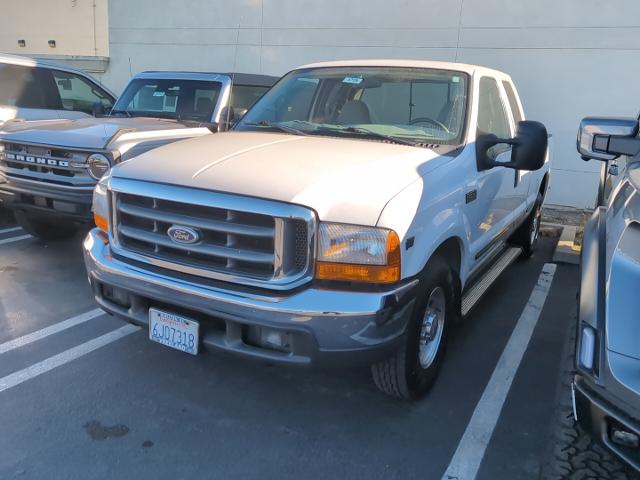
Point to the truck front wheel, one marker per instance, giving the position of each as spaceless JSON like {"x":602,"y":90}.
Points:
{"x":44,"y":229}
{"x":412,"y":370}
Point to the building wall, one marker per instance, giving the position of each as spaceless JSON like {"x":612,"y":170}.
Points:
{"x":569,"y":59}
{"x":79,"y":27}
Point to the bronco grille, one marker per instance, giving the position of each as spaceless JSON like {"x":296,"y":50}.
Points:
{"x":223,"y":241}
{"x":46,"y":164}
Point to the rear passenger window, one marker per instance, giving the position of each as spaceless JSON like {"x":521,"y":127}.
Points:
{"x":513,"y":102}
{"x":244,"y":96}
{"x":27,"y":87}
{"x":491,"y":115}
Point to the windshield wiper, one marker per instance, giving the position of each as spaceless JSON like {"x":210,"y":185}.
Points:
{"x":382,"y":136}
{"x":278,"y":126}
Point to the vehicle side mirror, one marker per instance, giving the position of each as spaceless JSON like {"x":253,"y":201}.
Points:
{"x":602,"y":138}
{"x":98,"y":109}
{"x":529,"y":148}
{"x":229,"y":116}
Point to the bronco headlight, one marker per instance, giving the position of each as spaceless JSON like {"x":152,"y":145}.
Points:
{"x":357,"y":254}
{"x":98,"y":164}
{"x":101,"y":204}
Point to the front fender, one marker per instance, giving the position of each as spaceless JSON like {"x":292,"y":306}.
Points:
{"x":592,"y":301}
{"x":425,"y":218}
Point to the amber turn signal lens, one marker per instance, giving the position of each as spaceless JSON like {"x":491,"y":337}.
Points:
{"x":349,"y":272}
{"x":101,"y":222}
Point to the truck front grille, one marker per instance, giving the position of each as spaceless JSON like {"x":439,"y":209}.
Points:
{"x":252,"y":247}
{"x":46,"y":164}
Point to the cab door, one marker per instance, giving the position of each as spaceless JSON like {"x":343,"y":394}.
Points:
{"x":490,"y":195}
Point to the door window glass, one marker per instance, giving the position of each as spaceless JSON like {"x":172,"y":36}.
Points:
{"x":513,"y":103}
{"x":27,"y":87}
{"x":244,"y":96}
{"x":78,"y":94}
{"x":491,"y":115}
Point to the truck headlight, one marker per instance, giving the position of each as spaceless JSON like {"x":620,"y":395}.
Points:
{"x":357,"y":254}
{"x":101,"y":204}
{"x":98,"y":165}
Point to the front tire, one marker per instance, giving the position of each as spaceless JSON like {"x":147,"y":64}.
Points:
{"x":44,"y":229}
{"x":411,"y":372}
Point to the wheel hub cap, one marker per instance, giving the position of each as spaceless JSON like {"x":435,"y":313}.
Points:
{"x":432,"y":327}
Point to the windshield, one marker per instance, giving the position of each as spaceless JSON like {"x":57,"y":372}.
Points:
{"x":408,"y":105}
{"x":179,"y":99}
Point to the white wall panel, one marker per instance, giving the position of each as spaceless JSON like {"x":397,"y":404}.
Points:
{"x":569,"y":58}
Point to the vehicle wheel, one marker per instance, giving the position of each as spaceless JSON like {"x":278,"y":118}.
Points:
{"x":527,"y":235}
{"x":572,"y":453}
{"x":412,"y":370}
{"x":44,"y":229}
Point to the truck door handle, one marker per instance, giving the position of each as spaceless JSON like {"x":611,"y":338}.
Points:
{"x":471,"y":196}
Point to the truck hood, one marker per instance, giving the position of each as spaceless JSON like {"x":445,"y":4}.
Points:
{"x":89,"y":133}
{"x":343,"y":180}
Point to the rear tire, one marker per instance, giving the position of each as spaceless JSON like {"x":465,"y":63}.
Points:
{"x":413,"y":369}
{"x":44,"y":229}
{"x":527,"y":234}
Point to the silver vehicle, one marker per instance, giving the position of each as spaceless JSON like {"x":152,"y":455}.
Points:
{"x":36,"y":90}
{"x":48,"y":168}
{"x":606,"y":388}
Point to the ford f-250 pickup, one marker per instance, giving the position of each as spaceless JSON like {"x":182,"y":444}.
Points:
{"x":353,"y":214}
{"x":48,"y":169}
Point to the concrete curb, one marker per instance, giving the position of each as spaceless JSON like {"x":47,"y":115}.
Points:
{"x":567,"y":251}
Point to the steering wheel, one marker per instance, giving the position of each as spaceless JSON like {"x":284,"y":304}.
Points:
{"x":431,"y":121}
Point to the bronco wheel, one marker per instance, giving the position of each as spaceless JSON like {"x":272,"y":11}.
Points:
{"x":527,"y":235}
{"x":44,"y":229}
{"x":413,"y":369}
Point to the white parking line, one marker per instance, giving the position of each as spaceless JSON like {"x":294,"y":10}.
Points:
{"x":45,"y":332}
{"x":67,"y":356}
{"x":471,"y":449}
{"x":8,"y":230}
{"x":14,"y":239}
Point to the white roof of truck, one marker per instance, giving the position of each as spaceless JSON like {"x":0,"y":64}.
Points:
{"x":459,"y":67}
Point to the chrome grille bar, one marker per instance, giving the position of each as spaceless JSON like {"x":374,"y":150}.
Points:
{"x":219,"y":226}
{"x":213,"y":250}
{"x":240,"y":239}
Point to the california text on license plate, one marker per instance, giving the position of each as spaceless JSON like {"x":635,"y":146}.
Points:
{"x":173,"y":331}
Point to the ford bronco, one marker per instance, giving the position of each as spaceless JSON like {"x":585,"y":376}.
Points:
{"x":48,"y":169}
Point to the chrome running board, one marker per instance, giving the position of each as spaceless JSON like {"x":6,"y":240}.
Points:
{"x":472,"y":295}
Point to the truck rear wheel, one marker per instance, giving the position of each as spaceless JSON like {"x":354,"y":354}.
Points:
{"x":413,"y":369}
{"x":44,"y":229}
{"x":527,"y":235}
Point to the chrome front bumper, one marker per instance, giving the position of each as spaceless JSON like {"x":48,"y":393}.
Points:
{"x":324,"y":327}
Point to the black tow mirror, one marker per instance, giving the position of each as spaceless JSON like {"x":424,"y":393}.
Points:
{"x":98,"y":110}
{"x":229,"y":116}
{"x":529,"y":148}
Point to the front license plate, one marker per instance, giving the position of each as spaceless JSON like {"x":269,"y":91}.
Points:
{"x":173,"y":331}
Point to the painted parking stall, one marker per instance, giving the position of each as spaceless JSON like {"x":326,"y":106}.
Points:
{"x":101,"y":371}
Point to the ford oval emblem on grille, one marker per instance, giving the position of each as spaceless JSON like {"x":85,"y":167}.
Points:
{"x":181,"y":234}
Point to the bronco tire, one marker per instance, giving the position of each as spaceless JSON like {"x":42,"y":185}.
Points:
{"x":412,"y":370}
{"x":44,"y":229}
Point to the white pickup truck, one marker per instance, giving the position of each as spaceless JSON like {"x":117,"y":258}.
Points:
{"x":352,"y":215}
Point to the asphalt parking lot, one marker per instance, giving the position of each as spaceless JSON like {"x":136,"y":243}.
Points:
{"x":93,"y":398}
